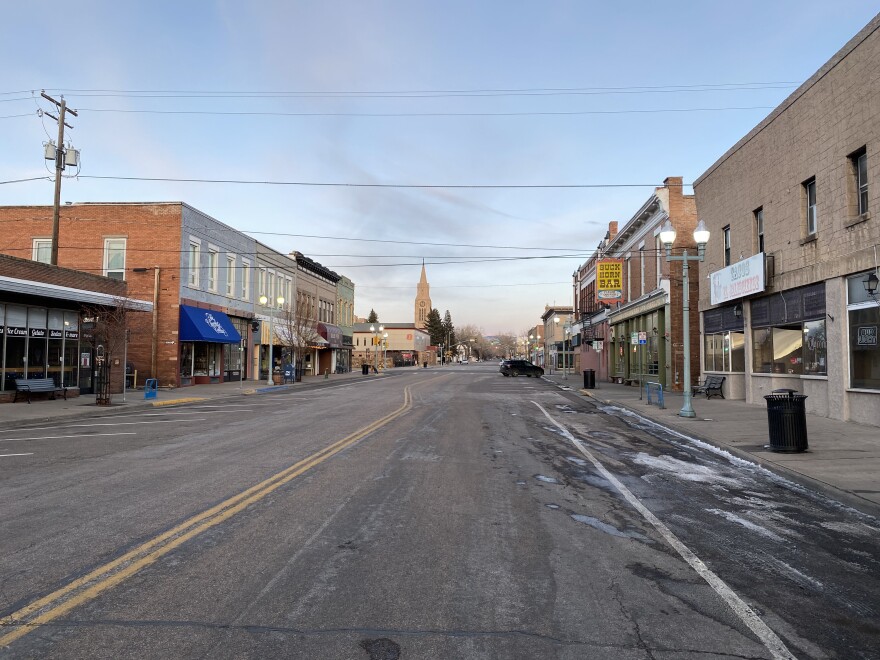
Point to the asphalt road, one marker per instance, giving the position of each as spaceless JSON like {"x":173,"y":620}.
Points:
{"x":442,"y":513}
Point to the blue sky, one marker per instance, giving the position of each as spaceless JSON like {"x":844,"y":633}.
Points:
{"x":388,"y":95}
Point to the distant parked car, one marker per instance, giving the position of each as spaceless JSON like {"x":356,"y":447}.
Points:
{"x":517,"y":367}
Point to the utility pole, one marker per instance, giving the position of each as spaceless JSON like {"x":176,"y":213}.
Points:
{"x":61,"y":159}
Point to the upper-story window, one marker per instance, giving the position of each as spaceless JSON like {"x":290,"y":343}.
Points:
{"x":860,"y":170}
{"x":195,"y":258}
{"x":810,"y":201}
{"x":114,"y":258}
{"x":43,"y":250}
{"x":213,"y":264}
{"x":726,"y":234}
{"x":245,"y":279}
{"x":230,"y":275}
{"x":759,"y":228}
{"x":261,"y":283}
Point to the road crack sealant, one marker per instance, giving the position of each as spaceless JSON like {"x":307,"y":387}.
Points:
{"x":746,"y":614}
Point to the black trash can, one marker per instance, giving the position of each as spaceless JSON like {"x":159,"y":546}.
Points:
{"x":590,"y":379}
{"x":787,"y":420}
{"x":424,"y":365}
{"x":365,"y":369}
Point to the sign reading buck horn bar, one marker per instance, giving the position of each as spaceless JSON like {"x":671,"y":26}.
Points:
{"x":738,"y":280}
{"x":609,"y":281}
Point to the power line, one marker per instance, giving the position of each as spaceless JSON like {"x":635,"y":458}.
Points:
{"x":34,"y":178}
{"x":423,"y":92}
{"x":551,"y":113}
{"x":344,"y":184}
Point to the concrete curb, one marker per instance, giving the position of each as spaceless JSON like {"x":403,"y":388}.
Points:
{"x":174,"y":402}
{"x":834,"y":492}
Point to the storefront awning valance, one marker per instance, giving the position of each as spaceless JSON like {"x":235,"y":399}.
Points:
{"x":332,"y":333}
{"x":206,"y":325}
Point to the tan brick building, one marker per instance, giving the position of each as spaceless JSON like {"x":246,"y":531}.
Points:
{"x":792,"y":209}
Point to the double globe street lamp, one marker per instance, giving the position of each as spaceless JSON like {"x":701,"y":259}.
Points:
{"x":376,"y":335}
{"x":264,"y":301}
{"x":701,"y":237}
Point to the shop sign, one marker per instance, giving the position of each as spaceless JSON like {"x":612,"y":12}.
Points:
{"x":609,"y":281}
{"x":55,"y":334}
{"x":598,"y":344}
{"x":634,"y":338}
{"x":867,"y":335}
{"x":71,"y":334}
{"x":38,"y":333}
{"x":2,"y":330}
{"x":12,"y":331}
{"x":744,"y":278}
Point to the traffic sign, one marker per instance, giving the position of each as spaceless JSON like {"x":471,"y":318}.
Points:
{"x":643,"y":337}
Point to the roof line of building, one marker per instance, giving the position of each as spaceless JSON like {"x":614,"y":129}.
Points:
{"x":826,"y":68}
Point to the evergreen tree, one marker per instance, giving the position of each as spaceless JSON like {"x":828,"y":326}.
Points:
{"x":434,"y":327}
{"x":448,"y":330}
{"x":373,"y":317}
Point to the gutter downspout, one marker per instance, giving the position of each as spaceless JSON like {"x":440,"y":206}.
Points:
{"x":154,"y":353}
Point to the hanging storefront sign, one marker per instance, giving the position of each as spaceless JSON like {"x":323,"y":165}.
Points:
{"x":609,"y":281}
{"x":744,"y":278}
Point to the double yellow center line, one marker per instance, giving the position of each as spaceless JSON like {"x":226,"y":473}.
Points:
{"x":90,"y":586}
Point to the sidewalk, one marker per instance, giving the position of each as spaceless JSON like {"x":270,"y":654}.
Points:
{"x":45,"y":410}
{"x":843,"y":459}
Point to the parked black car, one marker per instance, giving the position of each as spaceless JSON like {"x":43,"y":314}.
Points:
{"x":524,"y":367}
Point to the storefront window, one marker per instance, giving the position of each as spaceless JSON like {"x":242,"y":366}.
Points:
{"x":863,"y":314}
{"x":762,"y":350}
{"x":186,"y":359}
{"x":787,"y":355}
{"x":815,"y":348}
{"x":725,"y":351}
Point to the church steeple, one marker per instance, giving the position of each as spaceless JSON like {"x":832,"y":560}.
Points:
{"x":423,"y":299}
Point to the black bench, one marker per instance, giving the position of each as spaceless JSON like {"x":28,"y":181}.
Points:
{"x":711,"y":385}
{"x":32,"y":385}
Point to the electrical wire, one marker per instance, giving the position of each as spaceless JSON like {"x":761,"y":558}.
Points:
{"x":346,"y":184}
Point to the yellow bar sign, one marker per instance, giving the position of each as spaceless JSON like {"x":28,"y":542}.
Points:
{"x":609,"y":281}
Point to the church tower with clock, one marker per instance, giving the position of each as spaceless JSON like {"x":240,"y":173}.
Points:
{"x":423,"y":300}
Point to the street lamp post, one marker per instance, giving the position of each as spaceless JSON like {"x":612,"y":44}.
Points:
{"x":667,"y":237}
{"x":264,"y":301}
{"x":565,"y":347}
{"x":376,"y":334}
{"x":384,"y":349}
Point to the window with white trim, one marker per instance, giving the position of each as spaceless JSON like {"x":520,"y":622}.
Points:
{"x":245,"y":279}
{"x":726,"y":235}
{"x":195,"y":258}
{"x":114,"y":258}
{"x":230,"y":275}
{"x":863,"y":316}
{"x":213,"y":265}
{"x":42,"y":250}
{"x":859,"y":162}
{"x":759,"y":227}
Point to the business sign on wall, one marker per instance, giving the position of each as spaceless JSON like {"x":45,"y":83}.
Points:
{"x":744,"y":278}
{"x":609,"y":281}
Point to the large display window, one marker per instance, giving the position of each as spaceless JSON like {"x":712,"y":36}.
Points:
{"x":863,"y":317}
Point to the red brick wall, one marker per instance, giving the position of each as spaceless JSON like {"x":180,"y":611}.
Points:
{"x":153,"y":240}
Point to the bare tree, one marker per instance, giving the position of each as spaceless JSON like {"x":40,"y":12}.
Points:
{"x":108,"y":328}
{"x":297,"y":332}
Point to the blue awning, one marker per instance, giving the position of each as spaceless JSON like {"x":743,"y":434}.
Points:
{"x":206,"y":325}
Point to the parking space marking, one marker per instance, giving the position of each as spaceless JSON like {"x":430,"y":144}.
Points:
{"x":59,"y":437}
{"x":88,"y":426}
{"x":8,"y":455}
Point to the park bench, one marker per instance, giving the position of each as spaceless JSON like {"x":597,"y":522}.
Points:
{"x":711,"y":385}
{"x":36,"y":385}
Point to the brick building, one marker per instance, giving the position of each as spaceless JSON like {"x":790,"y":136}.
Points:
{"x":791,"y":209}
{"x":202,"y":278}
{"x":399,"y":345}
{"x":650,"y":301}
{"x":42,"y":329}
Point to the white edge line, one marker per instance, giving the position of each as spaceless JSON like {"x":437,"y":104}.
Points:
{"x":769,"y":638}
{"x":58,"y":437}
{"x":7,"y":455}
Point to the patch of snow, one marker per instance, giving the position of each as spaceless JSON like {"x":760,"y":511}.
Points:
{"x":748,"y":524}
{"x":683,"y":469}
{"x":546,"y":480}
{"x":575,"y":460}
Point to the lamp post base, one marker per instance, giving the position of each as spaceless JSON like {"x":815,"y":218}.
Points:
{"x":687,"y":412}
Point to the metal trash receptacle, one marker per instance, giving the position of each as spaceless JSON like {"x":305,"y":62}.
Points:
{"x":787,"y":420}
{"x":365,"y":369}
{"x":590,"y":379}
